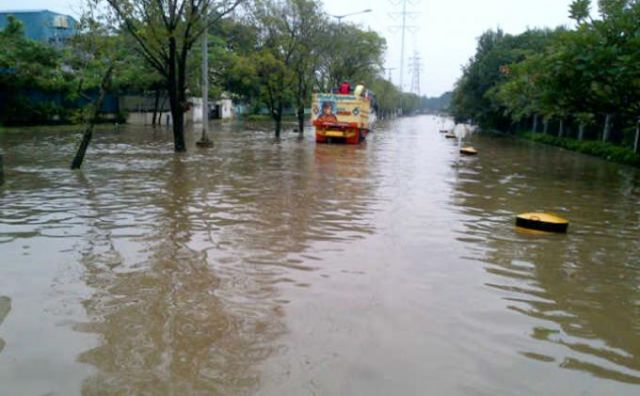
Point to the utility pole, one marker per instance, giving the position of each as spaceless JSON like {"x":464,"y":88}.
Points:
{"x":403,"y":27}
{"x":416,"y":67}
{"x":204,"y":140}
{"x":389,"y":69}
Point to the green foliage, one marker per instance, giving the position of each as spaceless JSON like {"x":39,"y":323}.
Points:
{"x":475,"y":96}
{"x":437,"y":104}
{"x":165,"y":32}
{"x":388,"y":96}
{"x":284,"y":50}
{"x":410,"y":103}
{"x":350,"y":54}
{"x":273,"y":53}
{"x":579,"y":75}
{"x":607,"y":151}
{"x":29,"y":69}
{"x":579,"y":10}
{"x":41,"y":84}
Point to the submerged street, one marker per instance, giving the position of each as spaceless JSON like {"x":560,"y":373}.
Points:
{"x":291,"y":268}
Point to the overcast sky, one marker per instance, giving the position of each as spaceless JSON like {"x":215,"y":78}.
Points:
{"x":444,"y":37}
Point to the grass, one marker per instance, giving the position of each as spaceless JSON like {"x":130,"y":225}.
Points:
{"x":608,"y":151}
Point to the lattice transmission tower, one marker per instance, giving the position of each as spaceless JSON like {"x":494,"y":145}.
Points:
{"x":404,"y":28}
{"x":415,"y":63}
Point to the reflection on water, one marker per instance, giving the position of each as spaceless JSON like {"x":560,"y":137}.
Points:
{"x":183,"y":256}
{"x":287,"y":268}
{"x":581,"y":287}
{"x":164,"y":326}
{"x":5,"y":307}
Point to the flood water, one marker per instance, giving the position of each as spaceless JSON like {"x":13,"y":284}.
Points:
{"x":288,"y":268}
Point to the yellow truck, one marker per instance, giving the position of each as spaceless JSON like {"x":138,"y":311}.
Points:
{"x":344,"y":118}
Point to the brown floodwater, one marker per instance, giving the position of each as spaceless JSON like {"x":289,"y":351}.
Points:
{"x":260,"y":267}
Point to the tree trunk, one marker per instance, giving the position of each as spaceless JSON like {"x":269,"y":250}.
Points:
{"x":581,"y":131}
{"x":535,"y":123}
{"x":178,"y":131}
{"x":561,"y":128}
{"x":301,"y":119}
{"x":277,"y":117}
{"x":176,"y":97}
{"x":607,"y":128}
{"x":545,"y":127}
{"x":156,"y":104}
{"x":88,"y":133}
{"x":1,"y":170}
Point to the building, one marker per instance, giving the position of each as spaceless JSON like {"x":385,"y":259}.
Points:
{"x":43,"y":25}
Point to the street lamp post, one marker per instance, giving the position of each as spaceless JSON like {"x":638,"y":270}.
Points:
{"x":204,"y":140}
{"x":340,"y":17}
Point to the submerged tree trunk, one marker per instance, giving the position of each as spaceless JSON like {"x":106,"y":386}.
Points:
{"x":178,"y":130}
{"x":277,"y":117}
{"x":301,"y":119}
{"x":156,"y":104}
{"x":176,"y":89}
{"x":607,"y":128}
{"x":88,"y":133}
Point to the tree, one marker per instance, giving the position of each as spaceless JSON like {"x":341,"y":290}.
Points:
{"x":276,"y":81}
{"x":436,"y":104}
{"x":349,"y":54}
{"x":287,"y":57}
{"x":579,"y":10}
{"x":28,"y":67}
{"x":96,"y":53}
{"x":477,"y":93}
{"x":388,"y":97}
{"x":233,"y":44}
{"x":166,"y":31}
{"x":410,"y":103}
{"x":589,"y":73}
{"x":308,"y":23}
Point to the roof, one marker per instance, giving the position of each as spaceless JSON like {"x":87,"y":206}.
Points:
{"x":42,"y":25}
{"x":41,"y":11}
{"x":22,"y":11}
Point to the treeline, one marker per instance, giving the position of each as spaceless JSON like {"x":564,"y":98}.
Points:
{"x":436,"y":105}
{"x":581,"y":83}
{"x":267,"y":54}
{"x":43,"y":84}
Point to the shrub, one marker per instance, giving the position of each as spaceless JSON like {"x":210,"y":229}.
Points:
{"x":607,"y":151}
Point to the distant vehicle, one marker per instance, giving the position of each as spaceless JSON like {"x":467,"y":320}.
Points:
{"x":340,"y":117}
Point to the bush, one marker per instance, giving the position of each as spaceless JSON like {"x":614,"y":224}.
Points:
{"x":607,"y":151}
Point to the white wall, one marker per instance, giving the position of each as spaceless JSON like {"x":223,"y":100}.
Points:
{"x":146,"y":118}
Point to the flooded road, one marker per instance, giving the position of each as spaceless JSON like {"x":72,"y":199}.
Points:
{"x":290,"y":268}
